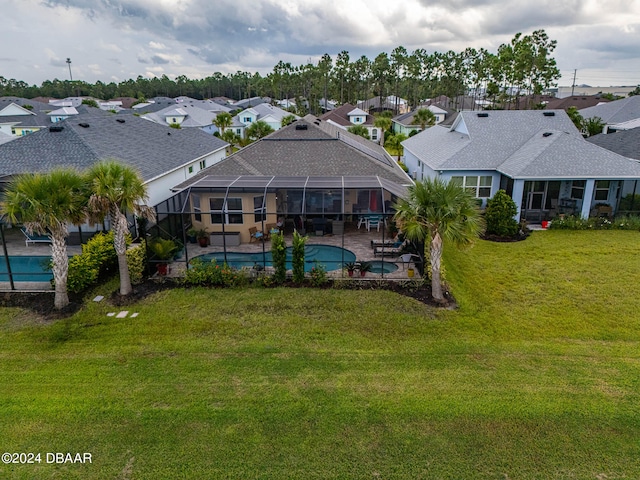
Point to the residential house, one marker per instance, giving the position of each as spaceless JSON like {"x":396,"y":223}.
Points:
{"x":269,"y":114}
{"x":623,"y":142}
{"x":21,"y":116}
{"x":308,"y":170}
{"x":162,"y":156}
{"x":62,"y":113}
{"x":248,"y":103}
{"x":538,"y":156}
{"x":391,"y":103}
{"x":347,"y":116}
{"x":404,"y":123}
{"x":622,"y":114}
{"x":578,"y":101}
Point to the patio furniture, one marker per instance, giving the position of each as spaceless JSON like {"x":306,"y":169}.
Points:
{"x":386,"y":243}
{"x":319,"y":225}
{"x":33,"y":238}
{"x":255,"y":235}
{"x":363,"y":220}
{"x":374,"y":221}
{"x":406,"y":259}
{"x":388,"y":251}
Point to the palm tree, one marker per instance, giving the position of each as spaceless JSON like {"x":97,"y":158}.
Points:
{"x":232,"y":139}
{"x":114,"y":191}
{"x":45,"y":204}
{"x":383,"y":122}
{"x":424,"y":117}
{"x":287,"y":120}
{"x":438,"y":211}
{"x":359,"y":130}
{"x":395,"y":142}
{"x":223,"y":121}
{"x":258,"y":130}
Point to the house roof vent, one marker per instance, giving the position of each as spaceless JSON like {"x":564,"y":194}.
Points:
{"x":83,"y":125}
{"x":301,"y":126}
{"x":56,"y":128}
{"x":549,"y":114}
{"x":547,"y":134}
{"x":120,"y":120}
{"x":483,"y":115}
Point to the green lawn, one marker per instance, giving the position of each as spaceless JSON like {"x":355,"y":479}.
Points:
{"x":535,"y":376}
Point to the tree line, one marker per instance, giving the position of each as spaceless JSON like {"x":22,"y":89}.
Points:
{"x":524,"y":65}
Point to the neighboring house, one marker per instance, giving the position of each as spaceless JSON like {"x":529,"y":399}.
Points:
{"x":61,"y":114}
{"x":186,"y":116}
{"x":249,"y":102}
{"x":347,"y":116}
{"x":622,"y":114}
{"x":381,"y":104}
{"x":21,"y":116}
{"x":539,"y":157}
{"x":404,"y":123}
{"x":269,"y":114}
{"x":624,"y":142}
{"x":578,"y":101}
{"x":309,"y":169}
{"x":162,"y":156}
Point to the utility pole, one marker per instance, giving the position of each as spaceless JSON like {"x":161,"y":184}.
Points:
{"x":573,"y":85}
{"x":69,"y":63}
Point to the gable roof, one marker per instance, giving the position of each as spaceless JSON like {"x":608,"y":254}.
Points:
{"x":340,"y":116}
{"x":406,"y":119}
{"x":265,"y":110}
{"x":520,"y":144}
{"x":578,"y":101}
{"x":618,"y":111}
{"x":308,"y":147}
{"x":623,"y":142}
{"x":84,"y":139}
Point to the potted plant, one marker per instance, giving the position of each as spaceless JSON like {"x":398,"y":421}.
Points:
{"x":350,"y":267}
{"x":163,"y":249}
{"x":192,"y":235}
{"x":364,"y":268}
{"x":203,"y":237}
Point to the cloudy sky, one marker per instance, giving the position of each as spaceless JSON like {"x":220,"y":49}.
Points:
{"x":113,"y":40}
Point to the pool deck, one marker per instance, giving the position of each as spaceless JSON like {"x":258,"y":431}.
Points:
{"x":356,"y":240}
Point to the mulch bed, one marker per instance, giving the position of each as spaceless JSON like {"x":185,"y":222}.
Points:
{"x":42,"y":303}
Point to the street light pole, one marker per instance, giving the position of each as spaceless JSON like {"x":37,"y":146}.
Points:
{"x":69,"y":63}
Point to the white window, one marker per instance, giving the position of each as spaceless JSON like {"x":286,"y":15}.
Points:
{"x":374,"y":134}
{"x":247,"y":120}
{"x":602,"y":189}
{"x":577,"y":189}
{"x":203,"y":164}
{"x":480,"y":187}
{"x":231,"y":214}
{"x":191,"y":169}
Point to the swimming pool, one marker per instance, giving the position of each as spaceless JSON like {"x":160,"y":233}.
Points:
{"x":26,"y":269}
{"x":378,"y":266}
{"x":331,"y":257}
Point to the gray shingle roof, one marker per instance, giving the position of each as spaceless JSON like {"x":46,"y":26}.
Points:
{"x":618,"y":111}
{"x":150,"y":148}
{"x":319,"y":150}
{"x":520,"y":144}
{"x":626,"y":142}
{"x":340,"y":116}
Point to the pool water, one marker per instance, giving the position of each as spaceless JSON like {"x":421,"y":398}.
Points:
{"x":330,"y":257}
{"x":26,"y":269}
{"x":378,"y":266}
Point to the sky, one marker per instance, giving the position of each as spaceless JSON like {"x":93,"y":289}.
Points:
{"x":114,"y":40}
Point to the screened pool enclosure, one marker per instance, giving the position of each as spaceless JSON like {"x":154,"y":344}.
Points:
{"x":241,"y":213}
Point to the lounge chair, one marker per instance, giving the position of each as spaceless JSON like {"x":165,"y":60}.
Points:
{"x":386,"y":243}
{"x":388,"y":251}
{"x":35,"y":238}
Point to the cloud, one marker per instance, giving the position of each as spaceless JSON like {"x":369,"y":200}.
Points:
{"x":157,"y":45}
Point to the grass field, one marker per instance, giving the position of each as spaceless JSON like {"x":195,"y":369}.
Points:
{"x":535,"y":376}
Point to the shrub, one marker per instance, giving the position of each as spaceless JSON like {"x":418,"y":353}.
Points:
{"x":83,"y":272}
{"x":499,"y":215}
{"x":210,"y":274}
{"x":298,"y":257}
{"x":318,"y":274}
{"x":97,"y":260}
{"x":630,"y":202}
{"x":137,"y":262}
{"x":279,"y":257}
{"x":595,"y":223}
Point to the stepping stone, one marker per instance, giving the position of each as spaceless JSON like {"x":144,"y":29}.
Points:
{"x":122,"y":314}
{"x":133,"y":315}
{"x":98,"y":298}
{"x":111,"y":314}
